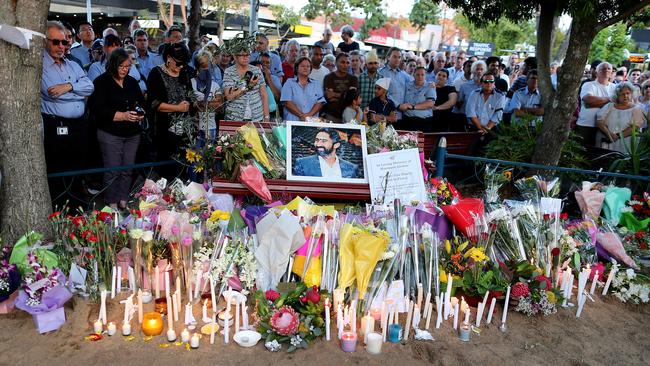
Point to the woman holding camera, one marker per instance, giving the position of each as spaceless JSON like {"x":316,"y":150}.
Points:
{"x":245,"y":90}
{"x":115,"y":106}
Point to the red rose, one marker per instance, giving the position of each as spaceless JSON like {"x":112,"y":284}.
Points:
{"x":555,"y":252}
{"x":303,"y":299}
{"x":547,"y":217}
{"x":105,"y":216}
{"x":54,"y":214}
{"x":638,"y":235}
{"x":313,"y":295}
{"x":542,"y":278}
{"x":564,"y":216}
{"x":92,"y":239}
{"x":272,"y":295}
{"x":123,"y":231}
{"x":86,"y":234}
{"x":72,"y":237}
{"x":637,"y":207}
{"x":520,"y":289}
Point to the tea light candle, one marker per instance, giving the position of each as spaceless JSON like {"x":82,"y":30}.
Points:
{"x":185,"y":336}
{"x":394,"y":333}
{"x":126,"y":328}
{"x":98,"y":327}
{"x":349,"y":342}
{"x":373,"y":343}
{"x":111,"y":329}
{"x":171,"y":335}
{"x":152,"y":324}
{"x":225,"y":316}
{"x":194,"y":342}
{"x":465,"y":332}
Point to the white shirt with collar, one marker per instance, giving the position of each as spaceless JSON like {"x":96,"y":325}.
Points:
{"x":327,"y":171}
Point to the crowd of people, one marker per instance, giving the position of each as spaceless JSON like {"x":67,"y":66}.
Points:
{"x":134,"y":102}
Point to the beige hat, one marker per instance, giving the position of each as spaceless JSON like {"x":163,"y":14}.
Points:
{"x":372,"y":56}
{"x":384,"y":83}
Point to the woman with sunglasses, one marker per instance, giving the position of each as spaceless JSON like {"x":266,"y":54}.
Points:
{"x":245,"y":90}
{"x":168,"y":96}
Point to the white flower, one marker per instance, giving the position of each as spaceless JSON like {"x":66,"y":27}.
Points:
{"x":136,"y":233}
{"x":630,"y":273}
{"x":147,"y":235}
{"x":296,"y":340}
{"x":273,"y":346}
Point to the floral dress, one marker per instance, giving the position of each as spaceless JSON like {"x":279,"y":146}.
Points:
{"x":248,"y":107}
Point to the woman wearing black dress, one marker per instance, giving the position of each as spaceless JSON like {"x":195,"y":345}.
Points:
{"x":445,"y":100}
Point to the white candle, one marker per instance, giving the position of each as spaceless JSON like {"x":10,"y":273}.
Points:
{"x":426,"y":301}
{"x":384,"y":320}
{"x":429,"y":310}
{"x":373,"y":343}
{"x":126,"y":328}
{"x":505,"y":307}
{"x":170,"y":311}
{"x":212,"y":294}
{"x":98,"y":327}
{"x":581,"y":305}
{"x":204,"y":312}
{"x":481,"y":309}
{"x":593,"y":283}
{"x":131,"y":278}
{"x":339,"y":321}
{"x":456,"y":315}
{"x":489,"y":317}
{"x":127,"y":308}
{"x":439,"y":313}
{"x":367,"y":326}
{"x":244,"y":313}
{"x":467,"y":313}
{"x":197,"y":284}
{"x":171,"y":335}
{"x":185,"y":336}
{"x":194,"y":342}
{"x":214,"y":322}
{"x":612,"y":272}
{"x":338,"y":296}
{"x":119,"y":279}
{"x":226,"y":332}
{"x":167,"y":285}
{"x":157,"y":282}
{"x":416,"y":317}
{"x":447,"y":302}
{"x":353,"y":310}
{"x":111,"y":329}
{"x":236,"y":315}
{"x":420,"y":295}
{"x":140,"y":312}
{"x":327,"y":319}
{"x":178,"y":286}
{"x":396,"y":316}
{"x":177,"y":304}
{"x":102,"y":308}
{"x":113,"y":282}
{"x":409,"y":317}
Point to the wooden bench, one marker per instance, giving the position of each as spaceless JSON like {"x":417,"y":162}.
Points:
{"x":282,"y":187}
{"x":457,"y":142}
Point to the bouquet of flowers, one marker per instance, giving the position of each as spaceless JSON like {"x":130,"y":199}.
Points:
{"x":584,"y":233}
{"x":494,"y":179}
{"x":381,"y":138}
{"x":441,"y":192}
{"x":636,"y":215}
{"x":293,"y":317}
{"x":532,"y":290}
{"x":238,"y":265}
{"x":636,"y":244}
{"x":532,"y":188}
{"x":9,"y":275}
{"x":507,"y":245}
{"x":630,"y":286}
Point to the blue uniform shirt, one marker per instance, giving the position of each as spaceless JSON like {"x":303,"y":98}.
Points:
{"x":304,"y":98}
{"x":485,"y":110}
{"x":276,"y":63}
{"x":415,"y":95}
{"x":453,"y":74}
{"x":148,"y":62}
{"x":463,"y":95}
{"x":399,"y":79}
{"x":71,"y":104}
{"x":99,"y":67}
{"x":524,"y":99}
{"x":82,"y":53}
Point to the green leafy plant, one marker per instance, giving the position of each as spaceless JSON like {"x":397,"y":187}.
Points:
{"x":636,"y":159}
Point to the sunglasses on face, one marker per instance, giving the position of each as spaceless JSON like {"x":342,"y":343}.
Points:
{"x":57,"y":42}
{"x":488,"y":81}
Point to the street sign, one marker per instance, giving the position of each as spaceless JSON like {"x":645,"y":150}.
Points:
{"x":480,"y":48}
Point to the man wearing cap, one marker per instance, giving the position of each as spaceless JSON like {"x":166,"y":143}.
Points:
{"x":368,"y":78}
{"x":326,"y":162}
{"x":335,"y":85}
{"x":64,"y":88}
{"x":86,"y":35}
{"x":111,"y":43}
{"x":399,"y":79}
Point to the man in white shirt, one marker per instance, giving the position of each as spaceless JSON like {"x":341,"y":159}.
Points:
{"x":593,"y":95}
{"x":326,"y":162}
{"x":457,"y":71}
{"x":465,"y":76}
{"x":318,"y":72}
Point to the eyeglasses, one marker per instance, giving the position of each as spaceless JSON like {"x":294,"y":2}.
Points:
{"x":124,"y":67}
{"x":243,"y":55}
{"x":57,"y":42}
{"x":646,"y":87}
{"x":488,"y":81}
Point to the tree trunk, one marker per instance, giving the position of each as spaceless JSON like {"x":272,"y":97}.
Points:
{"x":561,"y":52}
{"x":222,"y":25}
{"x":24,"y":195}
{"x":561,"y":105}
{"x":194,"y":25}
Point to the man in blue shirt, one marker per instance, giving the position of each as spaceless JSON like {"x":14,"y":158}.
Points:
{"x":399,"y":79}
{"x":86,"y":35}
{"x":527,"y":102}
{"x":64,"y":88}
{"x":418,"y":104}
{"x":467,"y":88}
{"x":325,"y":43}
{"x":485,"y":106}
{"x":262,"y":46}
{"x":147,"y":59}
{"x":456,"y":70}
{"x":326,"y":163}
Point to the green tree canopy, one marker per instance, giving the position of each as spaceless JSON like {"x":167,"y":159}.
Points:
{"x":334,"y":11}
{"x":609,"y":43}
{"x":424,"y":12}
{"x":505,"y":34}
{"x":284,"y":17}
{"x":375,"y":15}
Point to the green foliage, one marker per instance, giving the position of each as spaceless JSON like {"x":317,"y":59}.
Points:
{"x":335,"y":11}
{"x":636,"y":160}
{"x":505,"y":35}
{"x":517,"y":143}
{"x":284,"y":17}
{"x":375,"y":15}
{"x":491,"y":280}
{"x":424,"y":12}
{"x":609,"y":43}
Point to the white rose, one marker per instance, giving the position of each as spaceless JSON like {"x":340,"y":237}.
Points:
{"x":147,"y":235}
{"x":136,"y":233}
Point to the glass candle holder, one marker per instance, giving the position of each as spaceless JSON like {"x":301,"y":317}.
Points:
{"x":152,"y":324}
{"x":161,"y":305}
{"x":394,"y":333}
{"x":349,"y":342}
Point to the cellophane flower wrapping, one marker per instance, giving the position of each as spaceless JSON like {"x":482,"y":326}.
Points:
{"x":53,"y":296}
{"x":590,"y":201}
{"x":251,"y":136}
{"x":615,"y":198}
{"x":313,"y":273}
{"x":462,"y":213}
{"x":252,"y":178}
{"x":611,"y":242}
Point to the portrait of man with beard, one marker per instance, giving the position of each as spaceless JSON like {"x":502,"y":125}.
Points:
{"x":326,"y":163}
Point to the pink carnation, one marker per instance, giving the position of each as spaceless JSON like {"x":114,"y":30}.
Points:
{"x":520,"y":289}
{"x":272,"y":295}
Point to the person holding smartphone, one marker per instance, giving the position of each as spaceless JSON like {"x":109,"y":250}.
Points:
{"x":115,"y":106}
{"x":245,"y":90}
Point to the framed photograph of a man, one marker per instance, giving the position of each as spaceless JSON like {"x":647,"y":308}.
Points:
{"x":326,"y":152}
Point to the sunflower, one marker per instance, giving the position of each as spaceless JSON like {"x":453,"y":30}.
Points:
{"x":190,"y":156}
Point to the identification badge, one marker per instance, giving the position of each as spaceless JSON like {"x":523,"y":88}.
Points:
{"x":62,"y":131}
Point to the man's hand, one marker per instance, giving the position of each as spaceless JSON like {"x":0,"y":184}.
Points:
{"x":59,"y":89}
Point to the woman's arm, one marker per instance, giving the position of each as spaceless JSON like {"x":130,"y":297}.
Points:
{"x":449,"y":104}
{"x":293,"y":108}
{"x":265,"y":102}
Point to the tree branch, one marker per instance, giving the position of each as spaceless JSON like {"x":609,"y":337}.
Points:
{"x":623,"y":15}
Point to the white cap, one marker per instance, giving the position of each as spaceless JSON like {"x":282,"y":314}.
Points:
{"x":384,"y":83}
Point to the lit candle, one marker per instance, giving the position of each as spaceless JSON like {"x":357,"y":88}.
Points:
{"x":327,"y":318}
{"x":126,"y":328}
{"x":505,"y":307}
{"x":612,"y":272}
{"x":171,"y":335}
{"x":194,"y":342}
{"x":185,"y":336}
{"x":367,"y":326}
{"x":140,"y":313}
{"x":375,"y":313}
{"x":349,"y":342}
{"x":157,"y":282}
{"x":113,"y":282}
{"x":98,"y":327}
{"x":593,"y":283}
{"x":111,"y":329}
{"x":492,"y":304}
{"x":373,"y":343}
{"x":152,"y":324}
